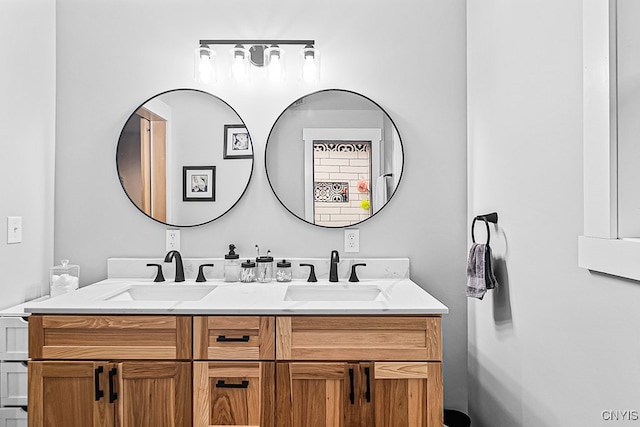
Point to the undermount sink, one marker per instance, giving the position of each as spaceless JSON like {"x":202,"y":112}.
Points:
{"x":176,"y":292}
{"x":337,"y":292}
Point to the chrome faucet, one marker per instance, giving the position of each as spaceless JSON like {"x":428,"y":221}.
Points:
{"x":171,"y":255}
{"x":333,"y":271}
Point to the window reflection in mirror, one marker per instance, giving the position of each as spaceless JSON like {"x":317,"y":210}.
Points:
{"x":334,"y":158}
{"x":178,"y":130}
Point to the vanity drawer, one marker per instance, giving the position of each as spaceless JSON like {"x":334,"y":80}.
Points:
{"x":13,"y":384}
{"x":14,"y":338}
{"x":233,"y":337}
{"x":13,"y":417}
{"x":123,"y":337}
{"x":359,"y":338}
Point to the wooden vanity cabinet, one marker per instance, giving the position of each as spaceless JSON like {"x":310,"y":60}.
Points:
{"x":358,"y":371}
{"x":135,"y":377}
{"x":213,"y":371}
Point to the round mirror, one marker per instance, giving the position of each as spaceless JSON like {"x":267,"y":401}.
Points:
{"x":334,"y":158}
{"x":184,"y":158}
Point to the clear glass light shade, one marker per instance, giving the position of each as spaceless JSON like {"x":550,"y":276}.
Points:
{"x":204,"y":65}
{"x":239,"y":64}
{"x":310,"y":64}
{"x":274,"y":63}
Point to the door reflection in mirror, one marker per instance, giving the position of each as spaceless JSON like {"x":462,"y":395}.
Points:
{"x":173,"y":130}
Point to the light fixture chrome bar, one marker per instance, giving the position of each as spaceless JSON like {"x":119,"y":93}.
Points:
{"x":259,"y":42}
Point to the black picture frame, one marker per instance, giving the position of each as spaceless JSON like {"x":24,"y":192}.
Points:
{"x":198,"y":183}
{"x":237,"y":142}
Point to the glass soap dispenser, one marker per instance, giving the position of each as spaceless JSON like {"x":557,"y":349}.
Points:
{"x":64,"y":278}
{"x":232,"y":265}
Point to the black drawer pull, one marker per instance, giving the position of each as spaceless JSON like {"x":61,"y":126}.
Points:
{"x":223,"y":338}
{"x":112,"y":394}
{"x":222,"y":384}
{"x":352,"y":395}
{"x":96,"y":382}
{"x":367,"y":393}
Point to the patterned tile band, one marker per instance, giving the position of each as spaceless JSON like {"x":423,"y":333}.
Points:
{"x":341,"y":146}
{"x":331,"y":192}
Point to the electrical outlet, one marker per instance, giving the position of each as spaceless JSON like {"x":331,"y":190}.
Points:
{"x":352,"y":240}
{"x":14,"y":229}
{"x":173,"y":240}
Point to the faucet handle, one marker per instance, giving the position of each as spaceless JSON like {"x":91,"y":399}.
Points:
{"x":201,"y":277}
{"x":312,"y":272}
{"x":159,"y":275}
{"x":354,"y":276}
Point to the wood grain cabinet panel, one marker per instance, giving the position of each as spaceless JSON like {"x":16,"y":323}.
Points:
{"x":233,"y":337}
{"x":65,"y":394}
{"x":93,"y":337}
{"x":359,"y":394}
{"x":233,"y":394}
{"x":358,"y":338}
{"x":101,"y":394}
{"x":405,"y":394}
{"x":312,"y":394}
{"x":154,"y":394}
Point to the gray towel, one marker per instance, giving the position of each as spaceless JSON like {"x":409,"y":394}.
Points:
{"x":480,"y":275}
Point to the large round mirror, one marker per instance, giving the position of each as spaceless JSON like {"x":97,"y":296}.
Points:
{"x":334,"y":158}
{"x":184,"y":158}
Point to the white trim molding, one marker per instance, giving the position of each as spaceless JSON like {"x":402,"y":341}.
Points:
{"x":600,"y":249}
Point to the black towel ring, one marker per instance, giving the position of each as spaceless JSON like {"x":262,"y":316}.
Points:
{"x":491,"y":217}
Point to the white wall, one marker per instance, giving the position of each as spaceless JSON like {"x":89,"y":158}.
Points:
{"x":556,"y":345}
{"x":27,"y":120}
{"x":112,"y":55}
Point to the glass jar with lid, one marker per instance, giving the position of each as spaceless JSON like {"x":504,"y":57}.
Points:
{"x":283,"y":271}
{"x":264,"y":266}
{"x":248,"y":272}
{"x":64,"y":278}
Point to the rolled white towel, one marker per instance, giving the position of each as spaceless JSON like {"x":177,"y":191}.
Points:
{"x":380,"y":195}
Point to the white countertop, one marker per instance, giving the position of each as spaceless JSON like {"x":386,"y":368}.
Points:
{"x":397,"y":296}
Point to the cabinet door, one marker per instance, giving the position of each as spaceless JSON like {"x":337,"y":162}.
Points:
{"x":233,"y":394}
{"x":315,"y":394}
{"x":402,"y":394}
{"x":69,"y":394}
{"x":154,"y":394}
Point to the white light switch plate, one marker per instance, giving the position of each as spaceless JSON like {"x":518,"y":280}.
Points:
{"x":14,"y":229}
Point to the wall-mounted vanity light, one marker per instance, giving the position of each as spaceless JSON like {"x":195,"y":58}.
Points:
{"x":267,"y":54}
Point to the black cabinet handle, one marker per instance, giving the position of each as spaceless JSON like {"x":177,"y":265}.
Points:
{"x":352,"y":396}
{"x":96,"y":382}
{"x":222,"y":384}
{"x":223,"y":338}
{"x":367,"y":394}
{"x":112,"y":394}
